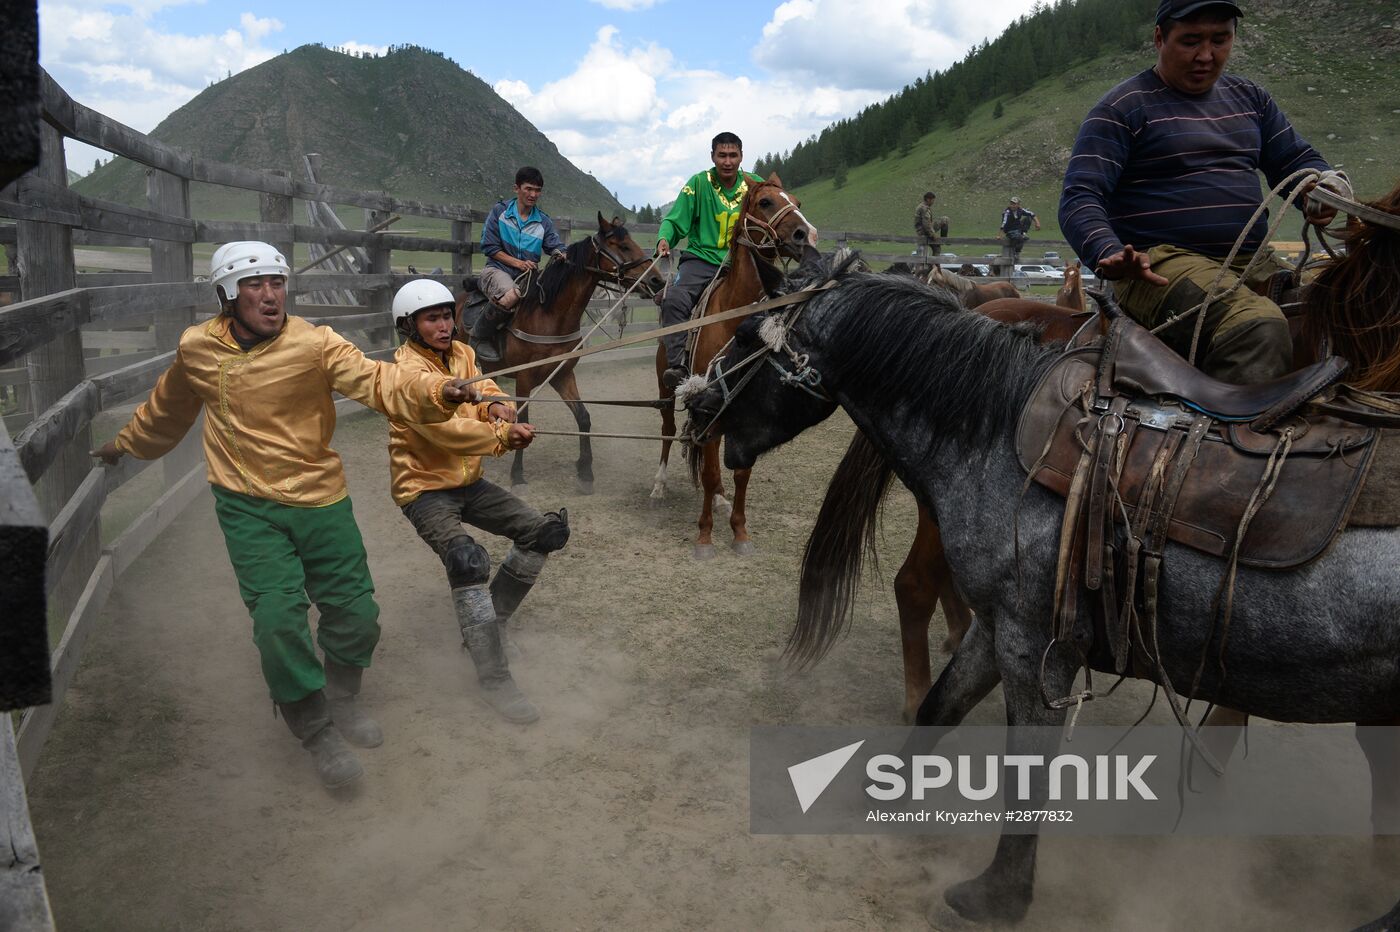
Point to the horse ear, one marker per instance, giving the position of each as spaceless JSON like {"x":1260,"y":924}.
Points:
{"x":775,"y":179}
{"x":603,"y":225}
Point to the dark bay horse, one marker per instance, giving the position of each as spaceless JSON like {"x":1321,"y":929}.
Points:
{"x":770,"y":227}
{"x":547,"y":322}
{"x":938,"y":392}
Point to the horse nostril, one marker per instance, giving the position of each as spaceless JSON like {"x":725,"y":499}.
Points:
{"x":799,"y":235}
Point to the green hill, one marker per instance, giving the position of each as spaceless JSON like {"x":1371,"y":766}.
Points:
{"x":1340,"y":86}
{"x":409,"y":122}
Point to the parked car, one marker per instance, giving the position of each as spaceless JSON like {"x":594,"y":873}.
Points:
{"x":1051,"y":255}
{"x":1044,"y":271}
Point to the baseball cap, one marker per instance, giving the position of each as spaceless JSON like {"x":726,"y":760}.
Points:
{"x":1180,"y":9}
{"x":1015,"y":200}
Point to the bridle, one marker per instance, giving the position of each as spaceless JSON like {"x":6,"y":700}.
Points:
{"x":617,"y":275}
{"x":762,"y":235}
{"x":795,"y":369}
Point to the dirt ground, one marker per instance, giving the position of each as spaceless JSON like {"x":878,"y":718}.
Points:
{"x":169,"y":797}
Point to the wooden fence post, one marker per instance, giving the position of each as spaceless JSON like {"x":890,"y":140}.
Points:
{"x":46,"y":266}
{"x":277,"y":208}
{"x":173,"y":262}
{"x":377,"y":299}
{"x":461,"y":262}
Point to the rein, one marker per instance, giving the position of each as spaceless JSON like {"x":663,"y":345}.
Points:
{"x":748,"y":310}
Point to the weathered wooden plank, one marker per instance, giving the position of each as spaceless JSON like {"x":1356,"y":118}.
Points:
{"x":97,"y":129}
{"x":346,"y":323}
{"x":319,"y":281}
{"x":107,"y":279}
{"x":138,"y":536}
{"x":24,"y":902}
{"x":37,"y":722}
{"x":73,"y":524}
{"x":222,"y":231}
{"x":131,"y":381}
{"x":24,"y":641}
{"x":118,"y":302}
{"x":375,"y":200}
{"x":132,"y":340}
{"x":50,"y":203}
{"x":97,"y":238}
{"x":49,"y":434}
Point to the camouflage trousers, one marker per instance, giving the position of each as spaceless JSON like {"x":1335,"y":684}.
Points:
{"x":1245,"y":336}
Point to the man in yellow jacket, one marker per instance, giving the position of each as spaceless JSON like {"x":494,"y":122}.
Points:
{"x":435,"y":475}
{"x":264,"y":381}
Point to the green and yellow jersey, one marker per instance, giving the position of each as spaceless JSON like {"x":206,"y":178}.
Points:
{"x":705,"y":214}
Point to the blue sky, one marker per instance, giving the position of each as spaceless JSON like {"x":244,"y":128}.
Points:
{"x":630,"y":90}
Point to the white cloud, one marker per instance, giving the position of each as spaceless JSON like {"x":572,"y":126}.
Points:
{"x":610,"y":85}
{"x":361,"y":48}
{"x":876,"y":45}
{"x":642,"y":126}
{"x":630,"y":6}
{"x":110,"y":57}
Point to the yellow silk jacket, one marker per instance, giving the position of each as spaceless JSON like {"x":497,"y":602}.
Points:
{"x":269,"y":411}
{"x":448,"y":454}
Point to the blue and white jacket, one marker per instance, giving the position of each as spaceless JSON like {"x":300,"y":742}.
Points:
{"x":524,"y":238}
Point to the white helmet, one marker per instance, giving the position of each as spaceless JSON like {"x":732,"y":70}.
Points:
{"x":234,"y":262}
{"x":417,"y":295}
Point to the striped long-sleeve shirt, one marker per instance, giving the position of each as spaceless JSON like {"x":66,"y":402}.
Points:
{"x":1155,"y":166}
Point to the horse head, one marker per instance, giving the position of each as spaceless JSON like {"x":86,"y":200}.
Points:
{"x":771,"y":222}
{"x":621,"y":259}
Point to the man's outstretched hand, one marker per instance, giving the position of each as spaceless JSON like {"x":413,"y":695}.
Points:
{"x":107,"y":453}
{"x":1128,"y":263}
{"x":460,"y":391}
{"x":519,"y":436}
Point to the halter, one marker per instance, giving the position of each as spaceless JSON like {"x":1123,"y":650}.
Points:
{"x":615,"y":275}
{"x":767,"y":229}
{"x":802,"y":374}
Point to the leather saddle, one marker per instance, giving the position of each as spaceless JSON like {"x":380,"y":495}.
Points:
{"x":1190,"y":453}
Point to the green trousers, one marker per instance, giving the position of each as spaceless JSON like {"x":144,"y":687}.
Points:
{"x":285,"y":558}
{"x":1245,"y":337}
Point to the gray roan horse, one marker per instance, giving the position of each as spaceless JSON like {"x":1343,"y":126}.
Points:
{"x":938,"y":392}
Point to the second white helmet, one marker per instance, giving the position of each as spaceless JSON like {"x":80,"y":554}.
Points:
{"x":417,"y":295}
{"x":233,"y":262}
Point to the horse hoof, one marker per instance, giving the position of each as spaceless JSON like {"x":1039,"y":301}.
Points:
{"x":982,"y":899}
{"x":585,"y":486}
{"x":743,"y":548}
{"x":703,"y":552}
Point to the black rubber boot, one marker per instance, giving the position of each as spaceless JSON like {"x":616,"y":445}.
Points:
{"x":486,"y":333}
{"x":481,"y":636}
{"x":513,"y":581}
{"x":310,"y":720}
{"x":342,"y":692}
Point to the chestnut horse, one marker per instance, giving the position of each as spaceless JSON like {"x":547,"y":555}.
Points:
{"x":770,"y":226}
{"x":547,"y":322}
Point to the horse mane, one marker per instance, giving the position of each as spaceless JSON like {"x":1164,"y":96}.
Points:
{"x":544,"y":287}
{"x":970,"y":395}
{"x":1355,"y":301}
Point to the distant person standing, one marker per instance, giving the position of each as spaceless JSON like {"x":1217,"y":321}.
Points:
{"x":929,"y":228}
{"x":1016,"y":224}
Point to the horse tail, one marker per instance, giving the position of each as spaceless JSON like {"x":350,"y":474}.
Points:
{"x":836,"y":549}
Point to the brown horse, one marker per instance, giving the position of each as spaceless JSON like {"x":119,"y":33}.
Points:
{"x":770,"y":226}
{"x":1352,"y":309}
{"x":547,"y":322}
{"x":1071,"y":295}
{"x":969,"y":292}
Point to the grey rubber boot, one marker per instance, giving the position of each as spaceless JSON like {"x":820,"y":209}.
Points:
{"x":514,"y":579}
{"x":486,"y":336}
{"x":482,"y":638}
{"x":310,"y":720}
{"x":342,"y":692}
